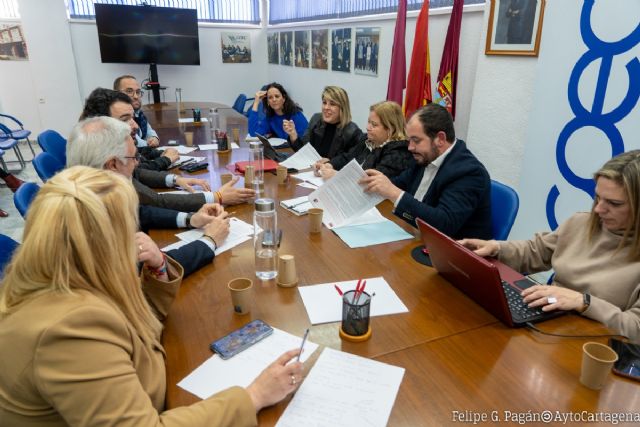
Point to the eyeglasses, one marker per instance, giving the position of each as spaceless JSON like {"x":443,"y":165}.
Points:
{"x":137,"y":157}
{"x":132,"y":92}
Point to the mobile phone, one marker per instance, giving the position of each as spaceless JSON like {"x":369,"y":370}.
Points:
{"x":241,"y":339}
{"x":628,"y":363}
{"x":194,"y":167}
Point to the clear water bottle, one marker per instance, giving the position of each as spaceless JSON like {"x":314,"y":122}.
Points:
{"x":265,"y":245}
{"x":214,"y":125}
{"x":256,"y":157}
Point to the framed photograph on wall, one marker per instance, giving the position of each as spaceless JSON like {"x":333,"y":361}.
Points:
{"x":236,"y":47}
{"x":13,"y":46}
{"x":286,"y":48}
{"x":366,"y":51}
{"x":320,"y":49}
{"x":272,"y":48}
{"x":514,"y":27}
{"x":341,"y":50}
{"x":302,"y":54}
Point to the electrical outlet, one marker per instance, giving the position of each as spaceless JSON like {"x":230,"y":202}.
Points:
{"x":42,"y":100}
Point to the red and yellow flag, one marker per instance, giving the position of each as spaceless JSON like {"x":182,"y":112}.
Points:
{"x":419,"y":79}
{"x":448,"y":75}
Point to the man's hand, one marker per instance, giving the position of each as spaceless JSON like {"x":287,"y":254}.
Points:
{"x":206,"y":214}
{"x":218,"y":228}
{"x":153,"y":141}
{"x":235,"y":196}
{"x":172,"y":154}
{"x":377,"y":182}
{"x":187,"y":183}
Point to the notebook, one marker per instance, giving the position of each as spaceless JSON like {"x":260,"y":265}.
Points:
{"x":491,"y":284}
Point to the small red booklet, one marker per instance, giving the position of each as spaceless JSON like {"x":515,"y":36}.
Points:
{"x":267,"y":165}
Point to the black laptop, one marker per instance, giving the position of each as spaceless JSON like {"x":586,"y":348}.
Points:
{"x":491,"y":284}
{"x":270,"y":152}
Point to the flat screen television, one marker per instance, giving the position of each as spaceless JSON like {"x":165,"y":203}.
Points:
{"x":148,"y":34}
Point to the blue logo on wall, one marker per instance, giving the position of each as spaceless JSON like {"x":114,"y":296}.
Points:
{"x":604,"y":52}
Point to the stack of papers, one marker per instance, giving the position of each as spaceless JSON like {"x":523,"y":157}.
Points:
{"x":344,"y":390}
{"x":181,"y":149}
{"x":239,"y":232}
{"x":370,"y":228}
{"x":204,"y":147}
{"x":324,"y":304}
{"x":303,"y":158}
{"x":217,"y":374}
{"x":309,"y":180}
{"x":299,"y":205}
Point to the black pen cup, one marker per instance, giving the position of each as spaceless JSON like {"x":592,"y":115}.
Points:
{"x":223,"y":143}
{"x":355,"y":314}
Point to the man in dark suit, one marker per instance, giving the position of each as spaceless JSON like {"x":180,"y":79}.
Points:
{"x":106,"y":143}
{"x":448,"y":187}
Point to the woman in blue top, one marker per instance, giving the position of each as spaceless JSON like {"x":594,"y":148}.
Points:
{"x":278,"y":108}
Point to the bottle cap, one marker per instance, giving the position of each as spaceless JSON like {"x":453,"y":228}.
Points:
{"x":264,"y":205}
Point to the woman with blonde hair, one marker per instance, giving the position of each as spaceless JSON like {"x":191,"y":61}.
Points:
{"x":595,"y":255}
{"x":331,"y":131}
{"x":84,"y":332}
{"x":385,"y":148}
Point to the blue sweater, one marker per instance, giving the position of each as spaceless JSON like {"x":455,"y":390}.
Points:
{"x":273,"y":125}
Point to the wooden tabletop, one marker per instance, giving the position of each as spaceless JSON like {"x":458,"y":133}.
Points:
{"x":457,"y":356}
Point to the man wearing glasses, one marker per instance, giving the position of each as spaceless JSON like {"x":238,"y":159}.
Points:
{"x":129,"y":85}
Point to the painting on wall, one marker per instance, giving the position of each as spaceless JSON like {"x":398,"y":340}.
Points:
{"x":272,"y":48}
{"x":341,"y":50}
{"x":514,"y":27}
{"x":236,"y":47}
{"x":302,"y":49}
{"x":320,"y":49}
{"x":365,"y":59}
{"x":286,"y":48}
{"x":12,"y":43}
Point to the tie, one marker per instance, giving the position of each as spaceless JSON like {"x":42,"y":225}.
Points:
{"x":141,"y":120}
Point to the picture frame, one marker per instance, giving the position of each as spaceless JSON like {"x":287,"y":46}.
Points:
{"x":515,"y":27}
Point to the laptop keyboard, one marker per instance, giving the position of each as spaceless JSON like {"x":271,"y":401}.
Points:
{"x":520,"y":311}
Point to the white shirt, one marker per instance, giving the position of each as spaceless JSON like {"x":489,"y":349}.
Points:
{"x":430,"y":172}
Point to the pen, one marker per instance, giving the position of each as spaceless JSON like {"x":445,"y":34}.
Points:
{"x":338,"y":289}
{"x":304,"y":339}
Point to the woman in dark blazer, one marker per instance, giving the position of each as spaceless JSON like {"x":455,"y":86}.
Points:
{"x":385,"y":147}
{"x":330,"y":132}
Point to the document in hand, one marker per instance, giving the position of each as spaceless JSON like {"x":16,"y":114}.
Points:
{"x":342,"y":198}
{"x":346,"y":390}
{"x":303,"y":158}
{"x":216,"y":374}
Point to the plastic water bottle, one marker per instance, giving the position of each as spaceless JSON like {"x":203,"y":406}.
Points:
{"x":214,"y":125}
{"x":256,"y":157}
{"x":265,"y":226}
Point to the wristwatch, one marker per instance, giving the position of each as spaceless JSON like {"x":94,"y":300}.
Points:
{"x":586,"y":301}
{"x":188,"y":220}
{"x":175,"y":180}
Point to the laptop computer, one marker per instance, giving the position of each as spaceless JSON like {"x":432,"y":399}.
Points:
{"x":491,"y":284}
{"x":269,"y":151}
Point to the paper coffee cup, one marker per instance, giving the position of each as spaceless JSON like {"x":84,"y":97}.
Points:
{"x":315,"y":220}
{"x":241,"y":294}
{"x":188,"y":138}
{"x":287,"y":276}
{"x":597,"y":361}
{"x":282,"y":174}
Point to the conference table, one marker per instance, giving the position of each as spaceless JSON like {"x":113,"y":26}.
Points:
{"x":461,"y":364}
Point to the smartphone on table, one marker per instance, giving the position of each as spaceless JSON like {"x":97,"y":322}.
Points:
{"x":628,"y":363}
{"x":241,"y":339}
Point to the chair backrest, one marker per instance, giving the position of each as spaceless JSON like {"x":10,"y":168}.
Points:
{"x":238,"y":105}
{"x":7,"y":246}
{"x":24,"y":195}
{"x":46,"y":166}
{"x":53,"y":143}
{"x":504,"y":208}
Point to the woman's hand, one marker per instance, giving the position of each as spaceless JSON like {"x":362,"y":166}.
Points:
{"x":484,"y":248}
{"x":553,"y":298}
{"x":327,"y":171}
{"x":258,"y":99}
{"x":276,"y":381}
{"x":290,"y":128}
{"x":148,"y":251}
{"x":318,"y":165}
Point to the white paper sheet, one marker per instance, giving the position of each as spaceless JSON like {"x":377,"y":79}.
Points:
{"x":190,"y":119}
{"x":305,"y":184}
{"x":181,"y":149}
{"x":239,"y":232}
{"x":324,"y":304}
{"x":278,"y":142}
{"x":303,"y":158}
{"x":216,"y":374}
{"x":204,"y":147}
{"x":342,"y":198}
{"x":344,"y":390}
{"x":309,"y":177}
{"x":299,"y":205}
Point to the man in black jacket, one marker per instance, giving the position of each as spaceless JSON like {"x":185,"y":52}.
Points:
{"x":448,"y":187}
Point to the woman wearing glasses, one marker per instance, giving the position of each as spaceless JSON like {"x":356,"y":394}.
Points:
{"x":84,"y":325}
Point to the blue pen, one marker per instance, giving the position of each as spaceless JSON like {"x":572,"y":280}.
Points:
{"x":304,"y":339}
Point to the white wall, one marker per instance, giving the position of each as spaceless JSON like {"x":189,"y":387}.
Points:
{"x":305,"y":85}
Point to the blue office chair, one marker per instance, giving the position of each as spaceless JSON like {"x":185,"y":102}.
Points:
{"x":53,"y":143}
{"x":504,"y":208}
{"x":20,"y":133}
{"x":8,"y":143}
{"x":24,"y":195}
{"x":46,"y":166}
{"x":7,"y":247}
{"x":239,"y":103}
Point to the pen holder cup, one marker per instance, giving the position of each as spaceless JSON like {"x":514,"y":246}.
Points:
{"x":223,"y":144}
{"x":355,"y":316}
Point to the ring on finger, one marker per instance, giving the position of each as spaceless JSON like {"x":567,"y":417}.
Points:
{"x":551,"y":300}
{"x":140,"y":248}
{"x":293,"y":379}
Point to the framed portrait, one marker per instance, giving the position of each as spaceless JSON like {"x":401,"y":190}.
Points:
{"x":302,"y":53}
{"x":272,"y":48}
{"x":366,"y":51}
{"x":341,"y":50}
{"x":236,"y":47}
{"x":514,"y":27}
{"x":286,"y":48}
{"x":320,"y":49}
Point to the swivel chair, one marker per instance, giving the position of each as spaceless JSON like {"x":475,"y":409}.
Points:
{"x":504,"y":208}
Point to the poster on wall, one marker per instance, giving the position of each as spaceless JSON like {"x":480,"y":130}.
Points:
{"x":320,"y":49}
{"x":13,"y":46}
{"x":302,"y":48}
{"x":272,"y":48}
{"x":236,"y":47}
{"x":366,"y":51}
{"x":286,"y":48}
{"x":341,"y":50}
{"x":514,"y":27}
